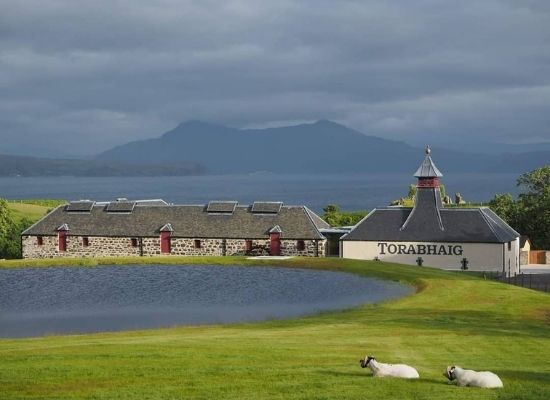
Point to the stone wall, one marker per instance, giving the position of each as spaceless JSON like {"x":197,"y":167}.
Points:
{"x":122,"y":246}
{"x":97,"y":247}
{"x":524,"y":257}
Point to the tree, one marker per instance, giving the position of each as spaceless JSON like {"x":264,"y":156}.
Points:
{"x":536,"y":181}
{"x":412,"y":191}
{"x":504,"y":206}
{"x":334,"y":217}
{"x":534,"y":206}
{"x":530,"y":213}
{"x":10,"y":232}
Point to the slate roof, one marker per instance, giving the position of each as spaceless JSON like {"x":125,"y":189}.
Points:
{"x":429,"y":221}
{"x":192,"y":221}
{"x":466,"y":225}
{"x":428,"y":169}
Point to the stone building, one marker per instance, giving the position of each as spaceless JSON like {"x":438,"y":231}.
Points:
{"x":431,"y":234}
{"x":148,"y":228}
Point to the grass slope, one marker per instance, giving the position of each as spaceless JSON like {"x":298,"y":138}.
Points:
{"x":453,"y":319}
{"x":31,"y":211}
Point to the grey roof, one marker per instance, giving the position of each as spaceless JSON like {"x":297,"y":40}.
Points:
{"x":317,"y":220}
{"x":467,"y":225}
{"x":192,"y":221}
{"x":427,"y":169}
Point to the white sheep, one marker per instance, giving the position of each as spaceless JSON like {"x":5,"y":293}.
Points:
{"x":392,"y":370}
{"x":468,"y":377}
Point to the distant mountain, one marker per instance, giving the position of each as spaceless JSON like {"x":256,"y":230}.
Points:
{"x":323,"y":146}
{"x":33,"y":166}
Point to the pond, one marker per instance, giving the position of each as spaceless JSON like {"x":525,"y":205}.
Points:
{"x":65,"y":300}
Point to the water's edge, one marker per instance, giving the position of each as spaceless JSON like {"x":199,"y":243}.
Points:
{"x":113,"y":298}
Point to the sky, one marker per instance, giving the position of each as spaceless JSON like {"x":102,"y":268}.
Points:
{"x":78,"y":77}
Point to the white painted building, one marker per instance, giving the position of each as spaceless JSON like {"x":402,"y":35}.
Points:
{"x":429,"y":234}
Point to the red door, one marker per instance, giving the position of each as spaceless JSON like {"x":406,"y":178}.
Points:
{"x":62,"y":236}
{"x":165,"y":243}
{"x":275,"y":244}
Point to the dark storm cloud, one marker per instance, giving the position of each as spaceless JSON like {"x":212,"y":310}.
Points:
{"x":79,"y":76}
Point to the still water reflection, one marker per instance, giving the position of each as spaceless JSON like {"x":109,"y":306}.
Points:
{"x":40,"y":301}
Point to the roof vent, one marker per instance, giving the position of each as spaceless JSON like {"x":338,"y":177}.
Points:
{"x":63,"y":227}
{"x":221,"y":207}
{"x":267,"y":207}
{"x":167,"y":228}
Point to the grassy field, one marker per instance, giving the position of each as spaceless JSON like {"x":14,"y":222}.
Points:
{"x":31,"y":211}
{"x":454,"y":318}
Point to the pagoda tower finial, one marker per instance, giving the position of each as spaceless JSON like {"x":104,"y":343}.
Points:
{"x":428,"y":150}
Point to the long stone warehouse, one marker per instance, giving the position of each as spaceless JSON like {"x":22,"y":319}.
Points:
{"x":147,"y":228}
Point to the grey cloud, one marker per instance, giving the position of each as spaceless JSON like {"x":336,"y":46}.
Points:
{"x":89,"y":75}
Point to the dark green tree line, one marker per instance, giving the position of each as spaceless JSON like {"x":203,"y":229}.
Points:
{"x":529,"y":214}
{"x":10,"y":232}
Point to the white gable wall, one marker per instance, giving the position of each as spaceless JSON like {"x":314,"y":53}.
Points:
{"x":480,"y":256}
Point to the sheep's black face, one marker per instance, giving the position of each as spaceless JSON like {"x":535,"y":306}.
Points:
{"x":450,"y":373}
{"x":365,"y":362}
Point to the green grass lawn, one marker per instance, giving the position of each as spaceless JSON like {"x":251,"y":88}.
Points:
{"x":454,"y":318}
{"x":32,"y":211}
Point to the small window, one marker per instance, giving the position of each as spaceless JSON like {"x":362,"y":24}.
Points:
{"x":509,"y":246}
{"x":197,"y":244}
{"x":134,"y":242}
{"x":39,"y":240}
{"x":85,"y":242}
{"x":300,"y":245}
{"x":248,"y":245}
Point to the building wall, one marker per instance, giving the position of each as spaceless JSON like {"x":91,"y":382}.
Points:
{"x":122,"y":246}
{"x":524,"y":257}
{"x":98,"y":247}
{"x":511,"y":258}
{"x":480,"y":256}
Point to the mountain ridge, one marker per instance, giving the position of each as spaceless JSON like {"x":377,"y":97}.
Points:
{"x":320,"y":147}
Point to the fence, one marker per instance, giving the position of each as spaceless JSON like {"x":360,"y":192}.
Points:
{"x":537,"y":257}
{"x":539,"y":282}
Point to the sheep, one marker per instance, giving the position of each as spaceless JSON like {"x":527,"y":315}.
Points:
{"x":468,"y":377}
{"x":392,"y":370}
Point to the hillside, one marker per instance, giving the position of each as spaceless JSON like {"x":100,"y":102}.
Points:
{"x":323,"y":146}
{"x":34,"y":166}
